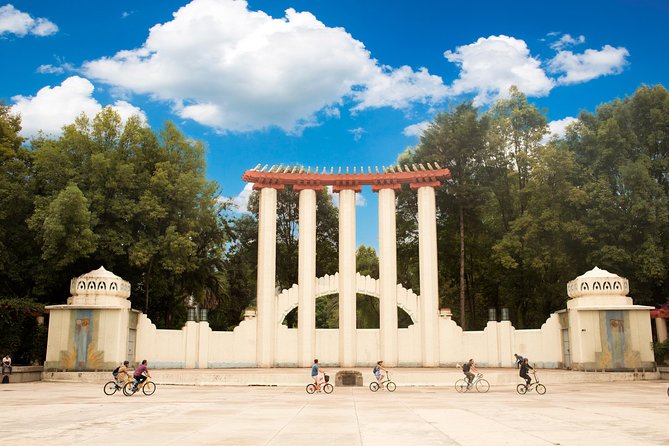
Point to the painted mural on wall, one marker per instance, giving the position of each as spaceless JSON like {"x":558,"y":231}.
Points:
{"x":616,"y":346}
{"x":81,"y":353}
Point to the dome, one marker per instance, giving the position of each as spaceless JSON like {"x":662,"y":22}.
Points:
{"x":598,"y":282}
{"x":100,"y":282}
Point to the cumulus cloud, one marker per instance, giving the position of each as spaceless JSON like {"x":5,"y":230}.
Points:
{"x":558,"y":128}
{"x":13,"y":21}
{"x":55,"y":69}
{"x":416,"y":129}
{"x":53,"y":107}
{"x":241,"y":201}
{"x":588,"y":65}
{"x":490,"y":66}
{"x":227,"y":67}
{"x":565,"y":41}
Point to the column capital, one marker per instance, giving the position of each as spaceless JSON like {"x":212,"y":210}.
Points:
{"x":394,"y":186}
{"x":301,"y":187}
{"x":277,"y":186}
{"x":339,"y":187}
{"x":416,"y":186}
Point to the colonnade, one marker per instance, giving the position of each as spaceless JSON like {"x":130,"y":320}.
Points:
{"x":386,"y":186}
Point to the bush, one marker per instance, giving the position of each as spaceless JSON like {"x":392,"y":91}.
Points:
{"x":20,"y":335}
{"x":661,"y":350}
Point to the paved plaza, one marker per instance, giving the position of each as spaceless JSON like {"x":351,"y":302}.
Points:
{"x":616,"y":413}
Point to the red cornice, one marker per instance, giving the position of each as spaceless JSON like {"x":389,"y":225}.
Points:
{"x":390,"y":178}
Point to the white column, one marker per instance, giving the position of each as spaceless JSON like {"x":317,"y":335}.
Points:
{"x":429,"y":285}
{"x":661,"y":329}
{"x":265,"y":298}
{"x":388,"y":278}
{"x":347,"y":281}
{"x":306,"y":310}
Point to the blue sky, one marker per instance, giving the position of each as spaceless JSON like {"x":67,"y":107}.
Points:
{"x":319,"y":83}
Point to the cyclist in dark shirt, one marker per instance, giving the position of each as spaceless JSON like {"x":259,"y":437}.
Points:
{"x":524,"y":368}
{"x":468,"y":369}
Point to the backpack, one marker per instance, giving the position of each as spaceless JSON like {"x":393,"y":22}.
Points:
{"x":115,"y":371}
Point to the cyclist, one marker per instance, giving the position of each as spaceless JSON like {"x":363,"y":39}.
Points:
{"x":524,"y":368}
{"x":140,"y":375}
{"x":377,"y":372}
{"x":469,"y":369}
{"x":122,"y":374}
{"x":315,"y":374}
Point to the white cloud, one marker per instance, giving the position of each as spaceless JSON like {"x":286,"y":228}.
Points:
{"x":52,"y":108}
{"x":566,"y":41}
{"x":416,"y":129}
{"x":13,"y":21}
{"x":55,"y":69}
{"x":357,"y":133}
{"x":588,"y":65}
{"x":241,"y":201}
{"x":490,"y":66}
{"x":558,"y":127}
{"x":227,"y":67}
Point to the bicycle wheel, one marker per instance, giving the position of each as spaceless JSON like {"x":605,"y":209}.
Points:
{"x":328,"y":388}
{"x":391,"y":386}
{"x":311,"y":388}
{"x":541,"y":389}
{"x":461,"y":385}
{"x":482,"y":385}
{"x":110,"y":388}
{"x":373,"y":386}
{"x":520,"y":388}
{"x":149,"y":388}
{"x":128,"y":389}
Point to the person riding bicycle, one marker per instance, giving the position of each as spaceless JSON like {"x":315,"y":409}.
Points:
{"x":140,"y":374}
{"x":315,"y":374}
{"x":469,"y":369}
{"x":377,"y":372}
{"x":524,"y":368}
{"x":519,"y":360}
{"x":122,"y":374}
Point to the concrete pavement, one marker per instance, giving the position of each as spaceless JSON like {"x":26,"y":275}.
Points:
{"x":609,"y":413}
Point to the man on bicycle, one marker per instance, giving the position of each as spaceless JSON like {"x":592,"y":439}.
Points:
{"x":377,"y":372}
{"x":122,"y":374}
{"x":315,"y":374}
{"x":140,"y":375}
{"x":524,"y":368}
{"x":469,"y":369}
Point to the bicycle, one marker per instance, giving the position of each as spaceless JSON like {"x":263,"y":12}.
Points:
{"x":481,"y":384}
{"x":524,"y":388}
{"x":375,"y":385}
{"x":327,"y":387}
{"x":131,"y":387}
{"x":112,"y":387}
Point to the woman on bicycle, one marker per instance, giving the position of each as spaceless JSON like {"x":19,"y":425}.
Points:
{"x":524,"y":368}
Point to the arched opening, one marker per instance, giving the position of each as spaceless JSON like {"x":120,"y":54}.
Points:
{"x":367,"y":313}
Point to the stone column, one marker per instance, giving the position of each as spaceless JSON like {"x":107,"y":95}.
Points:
{"x":661,"y":329}
{"x":306,"y":310}
{"x":265,"y":298}
{"x":429,"y":285}
{"x":347,"y":279}
{"x":388,"y":277}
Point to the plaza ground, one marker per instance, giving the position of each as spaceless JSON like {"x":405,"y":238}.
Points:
{"x":586,"y":413}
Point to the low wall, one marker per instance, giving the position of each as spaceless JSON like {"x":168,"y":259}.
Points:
{"x":24,"y":374}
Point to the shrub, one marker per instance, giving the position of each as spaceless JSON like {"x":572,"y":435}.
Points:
{"x":661,"y":350}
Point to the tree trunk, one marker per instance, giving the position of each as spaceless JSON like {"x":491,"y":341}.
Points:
{"x":463,"y":320}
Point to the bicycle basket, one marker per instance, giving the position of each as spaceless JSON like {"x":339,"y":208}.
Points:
{"x":327,"y":378}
